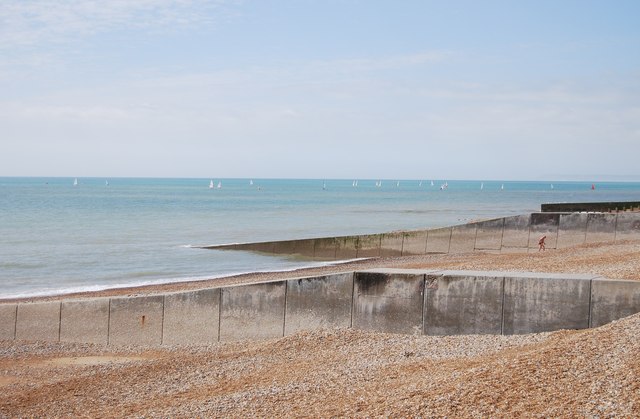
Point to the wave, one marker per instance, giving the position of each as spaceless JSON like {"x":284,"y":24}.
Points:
{"x":131,"y":284}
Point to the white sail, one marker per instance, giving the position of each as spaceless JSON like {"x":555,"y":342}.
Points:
{"x":75,"y":182}
{"x":211,"y":184}
{"x":251,"y":182}
{"x":502,"y":186}
{"x":481,"y":185}
{"x":219,"y":185}
{"x":431,"y":183}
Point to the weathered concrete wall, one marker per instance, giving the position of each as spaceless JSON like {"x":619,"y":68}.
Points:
{"x":612,"y":300}
{"x":601,"y":228}
{"x":414,"y":243}
{"x":346,"y":247}
{"x":489,"y":234}
{"x":191,"y":317}
{"x":8,"y":321}
{"x":392,"y":243}
{"x":439,"y":240}
{"x":388,"y":302}
{"x":369,"y":246}
{"x":628,"y":226}
{"x":38,"y":321}
{"x":254,"y":311}
{"x":463,"y":303}
{"x":536,"y":303}
{"x":515,"y":236}
{"x":85,"y":321}
{"x":463,"y":238}
{"x":318,"y":302}
{"x":572,"y":230}
{"x":136,"y":320}
{"x":324,"y":248}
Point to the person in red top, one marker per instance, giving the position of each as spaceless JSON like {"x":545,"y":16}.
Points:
{"x":541,"y":243}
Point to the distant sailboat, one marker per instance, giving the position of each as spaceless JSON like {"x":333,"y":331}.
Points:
{"x":106,"y":183}
{"x":502,"y":187}
{"x":481,"y":185}
{"x":219,"y":185}
{"x":552,"y":186}
{"x":397,"y":184}
{"x":593,"y":186}
{"x":378,"y":184}
{"x":211,"y":184}
{"x":324,"y":186}
{"x":431,"y":183}
{"x":353,"y":183}
{"x":251,"y":182}
{"x":420,"y":184}
{"x":75,"y":182}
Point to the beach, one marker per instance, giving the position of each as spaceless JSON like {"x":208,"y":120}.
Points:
{"x":349,"y":372}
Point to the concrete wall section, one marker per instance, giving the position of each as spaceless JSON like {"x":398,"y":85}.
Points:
{"x":136,"y":320}
{"x":324,"y":248}
{"x":391,"y":244}
{"x":489,"y":234}
{"x":318,"y":302}
{"x":38,"y":321}
{"x":613,"y":299}
{"x":254,"y":311}
{"x":601,"y":228}
{"x":414,"y":243}
{"x":536,"y":303}
{"x":346,"y":247}
{"x":572,"y":230}
{"x":462,"y":304}
{"x":516,"y":233}
{"x":628,"y":226}
{"x":388,"y":302}
{"x":438,"y":240}
{"x":85,"y":321}
{"x":369,"y":246}
{"x":544,"y":224}
{"x":463,"y":238}
{"x":8,"y":321}
{"x":191,"y":317}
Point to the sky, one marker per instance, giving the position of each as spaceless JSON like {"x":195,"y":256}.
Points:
{"x":350,"y":89}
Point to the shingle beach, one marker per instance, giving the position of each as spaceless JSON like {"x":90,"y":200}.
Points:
{"x":347,"y":373}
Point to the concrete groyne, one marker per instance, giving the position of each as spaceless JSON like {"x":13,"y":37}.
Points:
{"x":395,"y":301}
{"x":516,"y":234}
{"x":386,"y":300}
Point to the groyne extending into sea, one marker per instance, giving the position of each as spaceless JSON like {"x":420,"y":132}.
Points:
{"x":397,"y":301}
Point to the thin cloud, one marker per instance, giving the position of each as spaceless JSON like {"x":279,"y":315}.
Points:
{"x":31,"y":23}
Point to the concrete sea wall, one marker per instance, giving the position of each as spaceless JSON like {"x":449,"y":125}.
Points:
{"x":516,"y":234}
{"x":387,"y":300}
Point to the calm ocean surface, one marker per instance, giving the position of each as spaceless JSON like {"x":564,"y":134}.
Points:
{"x":56,"y":237}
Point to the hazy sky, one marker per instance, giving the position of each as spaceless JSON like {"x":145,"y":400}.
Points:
{"x":320,"y":89}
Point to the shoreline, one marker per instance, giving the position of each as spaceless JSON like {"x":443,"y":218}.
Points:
{"x":347,"y":372}
{"x":620,"y":260}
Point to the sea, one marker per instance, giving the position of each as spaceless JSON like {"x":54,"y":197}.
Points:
{"x":63,"y":235}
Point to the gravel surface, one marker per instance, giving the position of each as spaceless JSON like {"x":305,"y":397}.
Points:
{"x":589,"y":373}
{"x":327,"y":373}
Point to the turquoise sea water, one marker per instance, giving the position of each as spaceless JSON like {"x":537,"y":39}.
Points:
{"x":57,"y":237}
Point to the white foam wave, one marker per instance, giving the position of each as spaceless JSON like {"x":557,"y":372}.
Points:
{"x":133,"y":284}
